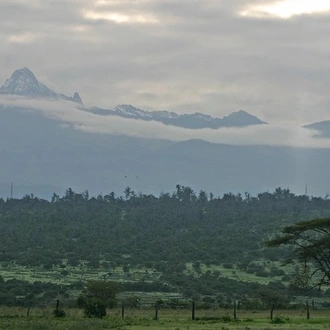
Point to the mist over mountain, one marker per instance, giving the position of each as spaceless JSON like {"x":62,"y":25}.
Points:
{"x":37,"y":151}
{"x":40,"y":154}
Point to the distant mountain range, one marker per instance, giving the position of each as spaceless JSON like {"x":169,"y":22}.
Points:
{"x":40,"y":155}
{"x":193,"y":121}
{"x":24,"y":83}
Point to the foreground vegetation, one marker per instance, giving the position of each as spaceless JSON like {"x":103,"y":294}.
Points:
{"x":138,"y":319}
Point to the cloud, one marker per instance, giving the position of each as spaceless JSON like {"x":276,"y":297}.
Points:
{"x":23,"y":38}
{"x":68,"y":113}
{"x":288,"y":8}
{"x":184,"y":56}
{"x":120,"y":18}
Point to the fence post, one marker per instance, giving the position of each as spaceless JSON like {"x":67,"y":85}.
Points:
{"x":193,"y":310}
{"x":28,"y":310}
{"x":156,"y":311}
{"x":235,"y":307}
{"x":307,"y":310}
{"x":272,"y":312}
{"x":123,"y":310}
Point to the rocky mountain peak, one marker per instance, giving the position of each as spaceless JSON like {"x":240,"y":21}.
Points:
{"x":76,"y":98}
{"x":23,"y":82}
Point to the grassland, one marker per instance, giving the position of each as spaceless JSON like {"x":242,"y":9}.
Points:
{"x":138,"y":319}
{"x":83,"y":273}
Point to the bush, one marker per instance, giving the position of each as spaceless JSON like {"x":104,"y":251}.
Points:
{"x":228,"y":265}
{"x":278,"y":319}
{"x":59,"y":313}
{"x":132,"y":302}
{"x":95,"y":308}
{"x":276,"y":272}
{"x":97,"y":296}
{"x":262,"y":273}
{"x":226,"y":318}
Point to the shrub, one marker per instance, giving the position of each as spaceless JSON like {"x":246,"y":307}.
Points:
{"x":226,"y":318}
{"x":97,"y":296}
{"x":228,"y":265}
{"x":59,"y":313}
{"x":278,"y":319}
{"x":262,"y":273}
{"x":95,"y":308}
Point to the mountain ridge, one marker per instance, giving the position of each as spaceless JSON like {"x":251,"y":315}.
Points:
{"x":196,"y":120}
{"x":24,"y":83}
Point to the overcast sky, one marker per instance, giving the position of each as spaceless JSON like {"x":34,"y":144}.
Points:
{"x":270,"y":58}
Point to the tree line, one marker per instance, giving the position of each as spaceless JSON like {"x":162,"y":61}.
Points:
{"x":163,"y":233}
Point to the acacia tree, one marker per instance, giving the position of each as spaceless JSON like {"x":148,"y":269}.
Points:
{"x":310,"y":246}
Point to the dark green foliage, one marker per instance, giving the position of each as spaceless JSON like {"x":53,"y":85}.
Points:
{"x":21,"y":293}
{"x":171,"y":228}
{"x":164,"y":233}
{"x":64,"y":273}
{"x":310,"y":243}
{"x":132,"y":302}
{"x":270,"y":297}
{"x":59,"y":313}
{"x":97,"y":296}
{"x":278,"y":319}
{"x":95,"y":307}
{"x":228,"y":265}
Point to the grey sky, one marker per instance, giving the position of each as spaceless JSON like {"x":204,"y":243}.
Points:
{"x":210,"y":56}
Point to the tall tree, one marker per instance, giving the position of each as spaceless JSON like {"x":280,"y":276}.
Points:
{"x":310,"y":243}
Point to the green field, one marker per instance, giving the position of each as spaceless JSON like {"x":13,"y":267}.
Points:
{"x":138,"y":319}
{"x":74,"y":274}
{"x":82,"y":274}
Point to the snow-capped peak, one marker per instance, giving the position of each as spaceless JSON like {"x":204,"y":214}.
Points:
{"x":130,"y":111}
{"x":23,"y":82}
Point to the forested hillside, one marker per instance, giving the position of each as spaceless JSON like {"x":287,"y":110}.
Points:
{"x":174,"y":234}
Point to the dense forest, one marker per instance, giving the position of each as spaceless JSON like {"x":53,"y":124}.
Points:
{"x":161,"y":233}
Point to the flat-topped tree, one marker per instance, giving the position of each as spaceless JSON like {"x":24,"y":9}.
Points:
{"x":310,"y":242}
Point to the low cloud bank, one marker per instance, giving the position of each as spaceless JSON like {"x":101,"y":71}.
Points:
{"x":69,"y":113}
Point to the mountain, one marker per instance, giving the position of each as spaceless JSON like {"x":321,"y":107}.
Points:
{"x":36,"y":152}
{"x":192,"y":121}
{"x":24,"y":83}
{"x":323,"y":127}
{"x":40,"y":154}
